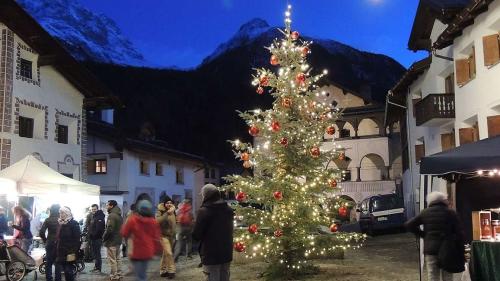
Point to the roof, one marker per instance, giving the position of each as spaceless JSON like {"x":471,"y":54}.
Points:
{"x":461,"y":21}
{"x":427,"y":12}
{"x":467,"y":158}
{"x":413,"y":72}
{"x":111,"y":133}
{"x":52,"y":53}
{"x":367,"y":109}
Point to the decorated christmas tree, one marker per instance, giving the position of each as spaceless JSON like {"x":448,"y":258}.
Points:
{"x":290,"y":205}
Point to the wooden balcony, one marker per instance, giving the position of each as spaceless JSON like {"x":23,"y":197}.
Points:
{"x":435,"y":110}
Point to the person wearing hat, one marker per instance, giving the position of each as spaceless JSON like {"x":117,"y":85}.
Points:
{"x":143,"y":233}
{"x":68,"y":244}
{"x":214,"y":230}
{"x":165,"y":215}
{"x":440,"y":223}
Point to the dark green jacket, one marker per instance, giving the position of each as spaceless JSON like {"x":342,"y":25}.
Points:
{"x":112,"y":237}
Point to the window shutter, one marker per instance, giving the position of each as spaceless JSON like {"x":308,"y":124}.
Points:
{"x":466,"y":135}
{"x":447,"y":141}
{"x":491,"y":50}
{"x":472,"y":64}
{"x":493,"y":126}
{"x":415,"y":101}
{"x":419,"y":152}
{"x":90,"y":167}
{"x":462,"y":71}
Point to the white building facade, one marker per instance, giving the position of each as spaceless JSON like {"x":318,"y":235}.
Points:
{"x":125,"y":168}
{"x":372,"y":166}
{"x":451,"y":97}
{"x":42,"y":95}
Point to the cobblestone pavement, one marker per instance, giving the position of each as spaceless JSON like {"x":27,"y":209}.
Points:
{"x":390,"y":257}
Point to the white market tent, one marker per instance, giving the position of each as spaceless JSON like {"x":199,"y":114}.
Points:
{"x":33,"y":177}
{"x":7,"y":187}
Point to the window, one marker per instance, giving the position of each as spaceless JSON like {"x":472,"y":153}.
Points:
{"x":346,"y":175}
{"x":466,"y":68}
{"x":26,"y":127}
{"x":159,"y":169}
{"x":388,"y":202}
{"x":212,"y":173}
{"x":62,"y":134}
{"x":207,"y":173}
{"x":179,"y":175}
{"x":101,"y":166}
{"x":491,"y":49}
{"x":468,"y":135}
{"x":67,"y":175}
{"x":26,"y":70}
{"x":144,"y":167}
{"x":447,"y":141}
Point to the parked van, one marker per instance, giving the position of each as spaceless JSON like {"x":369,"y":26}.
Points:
{"x":381,"y":212}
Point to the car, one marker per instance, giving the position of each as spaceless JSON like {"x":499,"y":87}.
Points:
{"x":381,"y":212}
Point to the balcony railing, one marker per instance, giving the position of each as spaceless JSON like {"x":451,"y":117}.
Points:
{"x":435,"y":109}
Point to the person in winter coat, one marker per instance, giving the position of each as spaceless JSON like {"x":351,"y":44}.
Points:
{"x":112,"y":239}
{"x":214,"y":230}
{"x":184,"y":237}
{"x":68,"y":244}
{"x":165,"y":216}
{"x":95,"y":232}
{"x":439,"y":222}
{"x":48,"y":233}
{"x":3,"y":223}
{"x":143,"y":232}
{"x":22,"y":234}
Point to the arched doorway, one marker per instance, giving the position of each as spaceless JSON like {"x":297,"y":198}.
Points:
{"x":351,"y":209}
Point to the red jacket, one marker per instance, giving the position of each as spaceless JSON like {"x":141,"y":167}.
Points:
{"x":144,"y":237}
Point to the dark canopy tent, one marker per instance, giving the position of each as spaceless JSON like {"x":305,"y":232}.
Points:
{"x":460,"y":164}
{"x":467,"y":158}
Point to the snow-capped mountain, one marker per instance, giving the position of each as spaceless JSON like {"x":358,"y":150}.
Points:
{"x":87,"y":35}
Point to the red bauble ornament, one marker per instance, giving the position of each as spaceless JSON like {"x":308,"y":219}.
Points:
{"x":241,"y":196}
{"x":264,"y":81}
{"x":253,"y":131}
{"x":260,"y":90}
{"x":333,"y":183}
{"x":286,"y":102}
{"x":315,"y":153}
{"x":275,"y":126}
{"x":334,"y":227}
{"x":300,"y":78}
{"x":245,"y":156}
{"x":305,"y":51}
{"x":330,"y":130}
{"x":247,"y":164}
{"x":295,"y":35}
{"x":253,"y":228}
{"x":342,"y":211}
{"x":278,"y":233}
{"x":342,"y":156}
{"x":274,"y":60}
{"x":284,"y":141}
{"x":278,"y":195}
{"x":239,"y":247}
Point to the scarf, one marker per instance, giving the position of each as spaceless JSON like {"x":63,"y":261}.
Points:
{"x":65,"y":215}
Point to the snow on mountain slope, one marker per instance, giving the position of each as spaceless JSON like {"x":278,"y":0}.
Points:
{"x":86,"y":35}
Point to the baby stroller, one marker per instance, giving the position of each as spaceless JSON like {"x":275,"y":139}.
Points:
{"x":78,"y":266}
{"x":16,"y":261}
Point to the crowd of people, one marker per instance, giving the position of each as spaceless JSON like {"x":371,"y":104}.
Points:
{"x":141,"y":234}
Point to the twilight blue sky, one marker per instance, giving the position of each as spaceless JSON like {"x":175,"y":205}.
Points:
{"x":182,"y":33}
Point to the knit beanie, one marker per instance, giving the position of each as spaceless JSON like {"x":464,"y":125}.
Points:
{"x":144,"y":208}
